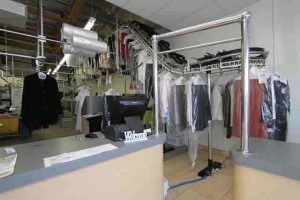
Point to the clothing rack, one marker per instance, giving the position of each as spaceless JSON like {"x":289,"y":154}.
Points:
{"x":242,"y":19}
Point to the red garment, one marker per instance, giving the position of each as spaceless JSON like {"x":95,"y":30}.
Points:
{"x":122,"y":45}
{"x":256,"y":126}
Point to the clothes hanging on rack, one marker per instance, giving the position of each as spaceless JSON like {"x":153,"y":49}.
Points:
{"x":228,"y":108}
{"x":276,"y":107}
{"x":144,"y":59}
{"x":166,"y":93}
{"x":256,"y":126}
{"x":180,"y":104}
{"x":201,"y":111}
{"x":216,"y":103}
{"x":149,"y":81}
{"x":123,"y":34}
{"x":82,"y":91}
{"x":41,"y":104}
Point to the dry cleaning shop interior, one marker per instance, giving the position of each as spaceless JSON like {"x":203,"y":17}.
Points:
{"x":151,"y":100}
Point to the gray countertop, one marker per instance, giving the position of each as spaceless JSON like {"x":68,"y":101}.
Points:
{"x":281,"y":158}
{"x":30,"y":164}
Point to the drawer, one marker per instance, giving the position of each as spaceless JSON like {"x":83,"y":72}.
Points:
{"x":9,"y":126}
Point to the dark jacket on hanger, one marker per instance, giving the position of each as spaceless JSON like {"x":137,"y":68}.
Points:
{"x":201,"y":111}
{"x":41,"y":104}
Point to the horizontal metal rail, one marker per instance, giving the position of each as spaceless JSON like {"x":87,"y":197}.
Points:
{"x":18,"y":55}
{"x":31,"y":36}
{"x":200,"y":27}
{"x":202,"y":45}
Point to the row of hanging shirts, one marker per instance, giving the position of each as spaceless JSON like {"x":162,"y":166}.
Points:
{"x":185,"y":107}
{"x":184,"y":103}
{"x":133,"y":53}
{"x":269,"y":104}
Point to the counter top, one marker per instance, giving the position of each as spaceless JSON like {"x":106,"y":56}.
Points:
{"x":30,"y":164}
{"x":281,"y":158}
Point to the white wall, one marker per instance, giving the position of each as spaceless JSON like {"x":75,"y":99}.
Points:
{"x":275,"y":25}
{"x":287,"y":56}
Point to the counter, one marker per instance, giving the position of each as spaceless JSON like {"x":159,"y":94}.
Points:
{"x":272,"y":171}
{"x":125,"y":169}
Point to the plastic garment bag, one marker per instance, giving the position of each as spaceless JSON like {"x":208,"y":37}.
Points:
{"x":83,"y":91}
{"x":276,"y":122}
{"x":166,"y":93}
{"x":282,"y":93}
{"x":216,"y":103}
{"x":193,"y":145}
{"x":199,"y":113}
{"x":180,"y":104}
{"x":226,"y":101}
{"x":267,"y":107}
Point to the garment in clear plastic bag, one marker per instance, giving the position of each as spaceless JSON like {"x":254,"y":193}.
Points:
{"x":198,"y":112}
{"x":201,"y":107}
{"x":193,"y":145}
{"x":275,"y":107}
{"x":267,"y":107}
{"x":180,"y":104}
{"x":282,"y":93}
{"x":166,"y":94}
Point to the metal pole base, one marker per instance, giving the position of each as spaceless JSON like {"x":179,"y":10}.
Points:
{"x":91,"y":135}
{"x":245,"y":152}
{"x":212,"y":166}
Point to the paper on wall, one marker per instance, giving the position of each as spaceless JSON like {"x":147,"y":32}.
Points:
{"x":67,"y":157}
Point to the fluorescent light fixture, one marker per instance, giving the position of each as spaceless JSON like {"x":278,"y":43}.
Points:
{"x":88,"y":26}
{"x":49,"y":71}
{"x":61,"y":62}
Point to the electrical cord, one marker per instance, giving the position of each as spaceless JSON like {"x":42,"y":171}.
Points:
{"x":197,"y":179}
{"x":186,"y":183}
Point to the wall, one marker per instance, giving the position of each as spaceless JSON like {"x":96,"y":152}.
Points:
{"x":287,"y":56}
{"x":275,"y":25}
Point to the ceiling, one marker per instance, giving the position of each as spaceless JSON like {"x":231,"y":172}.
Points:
{"x":56,"y":12}
{"x":174,"y":14}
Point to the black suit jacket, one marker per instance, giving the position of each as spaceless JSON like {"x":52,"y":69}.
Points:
{"x":40,"y":101}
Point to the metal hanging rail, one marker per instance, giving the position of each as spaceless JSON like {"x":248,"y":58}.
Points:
{"x":201,"y":45}
{"x":242,"y":19}
{"x":201,"y":27}
{"x":30,"y":36}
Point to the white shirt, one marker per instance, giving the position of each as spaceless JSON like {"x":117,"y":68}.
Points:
{"x":166,"y":84}
{"x":216,"y":103}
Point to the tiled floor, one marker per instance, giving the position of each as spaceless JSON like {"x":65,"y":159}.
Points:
{"x":216,"y":187}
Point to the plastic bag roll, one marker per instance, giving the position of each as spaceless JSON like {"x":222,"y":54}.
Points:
{"x":88,"y":44}
{"x":68,"y":31}
{"x":68,"y":49}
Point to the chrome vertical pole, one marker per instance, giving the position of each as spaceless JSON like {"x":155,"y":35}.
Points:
{"x":41,"y":28}
{"x":13,"y":69}
{"x":246,"y":88}
{"x":155,"y":79}
{"x":210,"y":121}
{"x":117,"y":42}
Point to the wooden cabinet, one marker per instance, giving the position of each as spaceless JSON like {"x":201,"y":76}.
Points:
{"x":9,"y":125}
